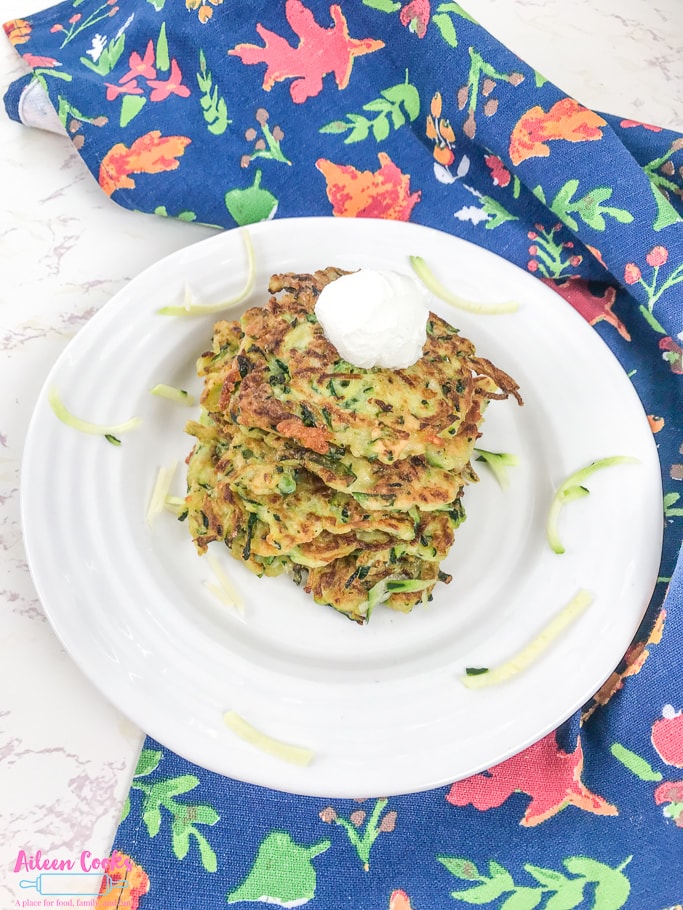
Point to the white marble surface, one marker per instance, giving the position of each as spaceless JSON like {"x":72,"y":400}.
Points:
{"x":66,"y":756}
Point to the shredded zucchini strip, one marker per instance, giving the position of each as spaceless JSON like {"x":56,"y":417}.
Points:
{"x":572,"y":488}
{"x":161,"y":390}
{"x":225,"y":591}
{"x":432,"y":283}
{"x":162,"y":484}
{"x":531,"y":652}
{"x":86,"y":426}
{"x":498,"y":463}
{"x":295,"y":755}
{"x":189,"y":308}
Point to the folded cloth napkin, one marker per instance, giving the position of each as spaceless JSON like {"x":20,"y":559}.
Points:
{"x":236,"y":113}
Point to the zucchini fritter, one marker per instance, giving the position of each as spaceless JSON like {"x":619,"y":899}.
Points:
{"x":348,"y":479}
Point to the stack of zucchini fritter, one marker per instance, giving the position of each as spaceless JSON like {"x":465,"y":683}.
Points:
{"x":348,"y":479}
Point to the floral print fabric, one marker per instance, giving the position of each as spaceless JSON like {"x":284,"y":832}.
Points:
{"x":228,"y":113}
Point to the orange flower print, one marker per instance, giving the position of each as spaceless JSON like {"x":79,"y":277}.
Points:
{"x":18,"y":31}
{"x":566,"y":119}
{"x":204,"y":8}
{"x":149,"y":154}
{"x":440,"y":131}
{"x":364,"y":194}
{"x":123,"y":869}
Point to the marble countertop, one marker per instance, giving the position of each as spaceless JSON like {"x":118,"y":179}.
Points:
{"x":66,"y":754}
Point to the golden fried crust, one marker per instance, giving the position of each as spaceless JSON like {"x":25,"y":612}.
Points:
{"x":346,"y":477}
{"x":288,"y":379}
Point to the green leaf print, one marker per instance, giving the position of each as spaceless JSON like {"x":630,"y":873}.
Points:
{"x":252,"y":204}
{"x":670,"y":508}
{"x":634,"y":763}
{"x":558,"y":891}
{"x":443,"y":21}
{"x":131,"y":105}
{"x":613,"y":888}
{"x":497,"y":213}
{"x":384,"y":6}
{"x":461,"y":868}
{"x":148,"y":762}
{"x":282,"y":872}
{"x":161,"y":56}
{"x":391,"y":108}
{"x":659,"y":170}
{"x":445,"y":25}
{"x":160,"y":801}
{"x":589,"y":207}
{"x":214,"y":108}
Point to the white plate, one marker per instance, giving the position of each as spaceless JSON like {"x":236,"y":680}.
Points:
{"x":381,"y":706}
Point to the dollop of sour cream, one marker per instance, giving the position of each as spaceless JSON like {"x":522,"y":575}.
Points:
{"x":375,"y":318}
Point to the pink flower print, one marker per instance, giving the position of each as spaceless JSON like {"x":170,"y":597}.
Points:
{"x":631,"y":273}
{"x":34,"y":60}
{"x":140,"y":67}
{"x":658,"y":255}
{"x":130,"y":88}
{"x":172,"y":86}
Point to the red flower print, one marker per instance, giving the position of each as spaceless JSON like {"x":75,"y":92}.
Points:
{"x":545,"y":772}
{"x":670,"y":793}
{"x":499,"y":173}
{"x":74,"y":19}
{"x":667,"y":736}
{"x":140,"y":66}
{"x":657,"y":256}
{"x":34,"y":60}
{"x":631,"y":273}
{"x":172,"y":86}
{"x":320,"y":50}
{"x":627,"y":124}
{"x":673,"y":354}
{"x":416,"y":13}
{"x":130,"y":88}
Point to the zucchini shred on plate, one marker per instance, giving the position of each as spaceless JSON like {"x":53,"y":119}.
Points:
{"x":348,"y":479}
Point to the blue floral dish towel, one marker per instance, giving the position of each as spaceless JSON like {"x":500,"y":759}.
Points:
{"x":229,"y":113}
